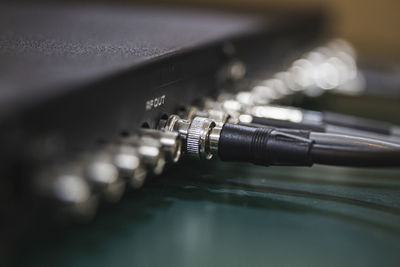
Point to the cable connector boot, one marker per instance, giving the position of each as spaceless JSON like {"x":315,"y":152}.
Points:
{"x":263,"y":146}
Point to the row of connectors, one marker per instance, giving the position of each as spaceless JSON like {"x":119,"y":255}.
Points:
{"x":80,"y":186}
{"x":77,"y":188}
{"x":329,"y":67}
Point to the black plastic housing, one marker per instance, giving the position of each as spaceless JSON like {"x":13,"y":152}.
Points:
{"x":76,"y":75}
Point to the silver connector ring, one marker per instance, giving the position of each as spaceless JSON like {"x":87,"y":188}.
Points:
{"x":197,"y":138}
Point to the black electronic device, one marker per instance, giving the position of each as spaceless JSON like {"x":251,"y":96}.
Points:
{"x":76,"y":77}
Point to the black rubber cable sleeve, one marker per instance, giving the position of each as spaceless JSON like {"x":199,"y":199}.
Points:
{"x":351,"y":156}
{"x":263,"y":146}
{"x":354,"y":122}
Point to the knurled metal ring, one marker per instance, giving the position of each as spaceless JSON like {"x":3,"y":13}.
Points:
{"x":197,"y":137}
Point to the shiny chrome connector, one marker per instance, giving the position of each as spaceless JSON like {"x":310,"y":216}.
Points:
{"x":130,"y":166}
{"x":149,"y":151}
{"x":329,"y":67}
{"x":104,"y":177}
{"x":274,"y":112}
{"x":232,"y":111}
{"x":78,"y":186}
{"x":147,"y":154}
{"x":326,"y":68}
{"x":169,"y":141}
{"x":212,"y":111}
{"x":72,"y":193}
{"x":200,"y":135}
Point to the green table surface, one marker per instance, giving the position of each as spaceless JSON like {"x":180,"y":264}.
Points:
{"x":227,"y":214}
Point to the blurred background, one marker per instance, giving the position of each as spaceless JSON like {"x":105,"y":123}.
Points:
{"x":370,"y":25}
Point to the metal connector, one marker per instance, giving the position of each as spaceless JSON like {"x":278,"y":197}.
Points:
{"x":214,"y":112}
{"x":197,"y":142}
{"x":277,"y":113}
{"x":170,"y":142}
{"x":149,"y":151}
{"x":200,"y":135}
{"x":130,"y":166}
{"x":152,"y":155}
{"x":67,"y":189}
{"x":105,"y":178}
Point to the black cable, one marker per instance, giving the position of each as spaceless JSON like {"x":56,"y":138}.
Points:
{"x":349,"y":121}
{"x":324,"y":121}
{"x":326,"y":128}
{"x":268,"y":146}
{"x":358,"y":123}
{"x":355,"y":157}
{"x":334,"y":139}
{"x":351,"y":141}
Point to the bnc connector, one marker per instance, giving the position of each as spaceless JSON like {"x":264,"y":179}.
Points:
{"x":170,"y":142}
{"x":200,"y":135}
{"x":197,"y":141}
{"x":68,"y":189}
{"x":149,"y":151}
{"x":127,"y":160}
